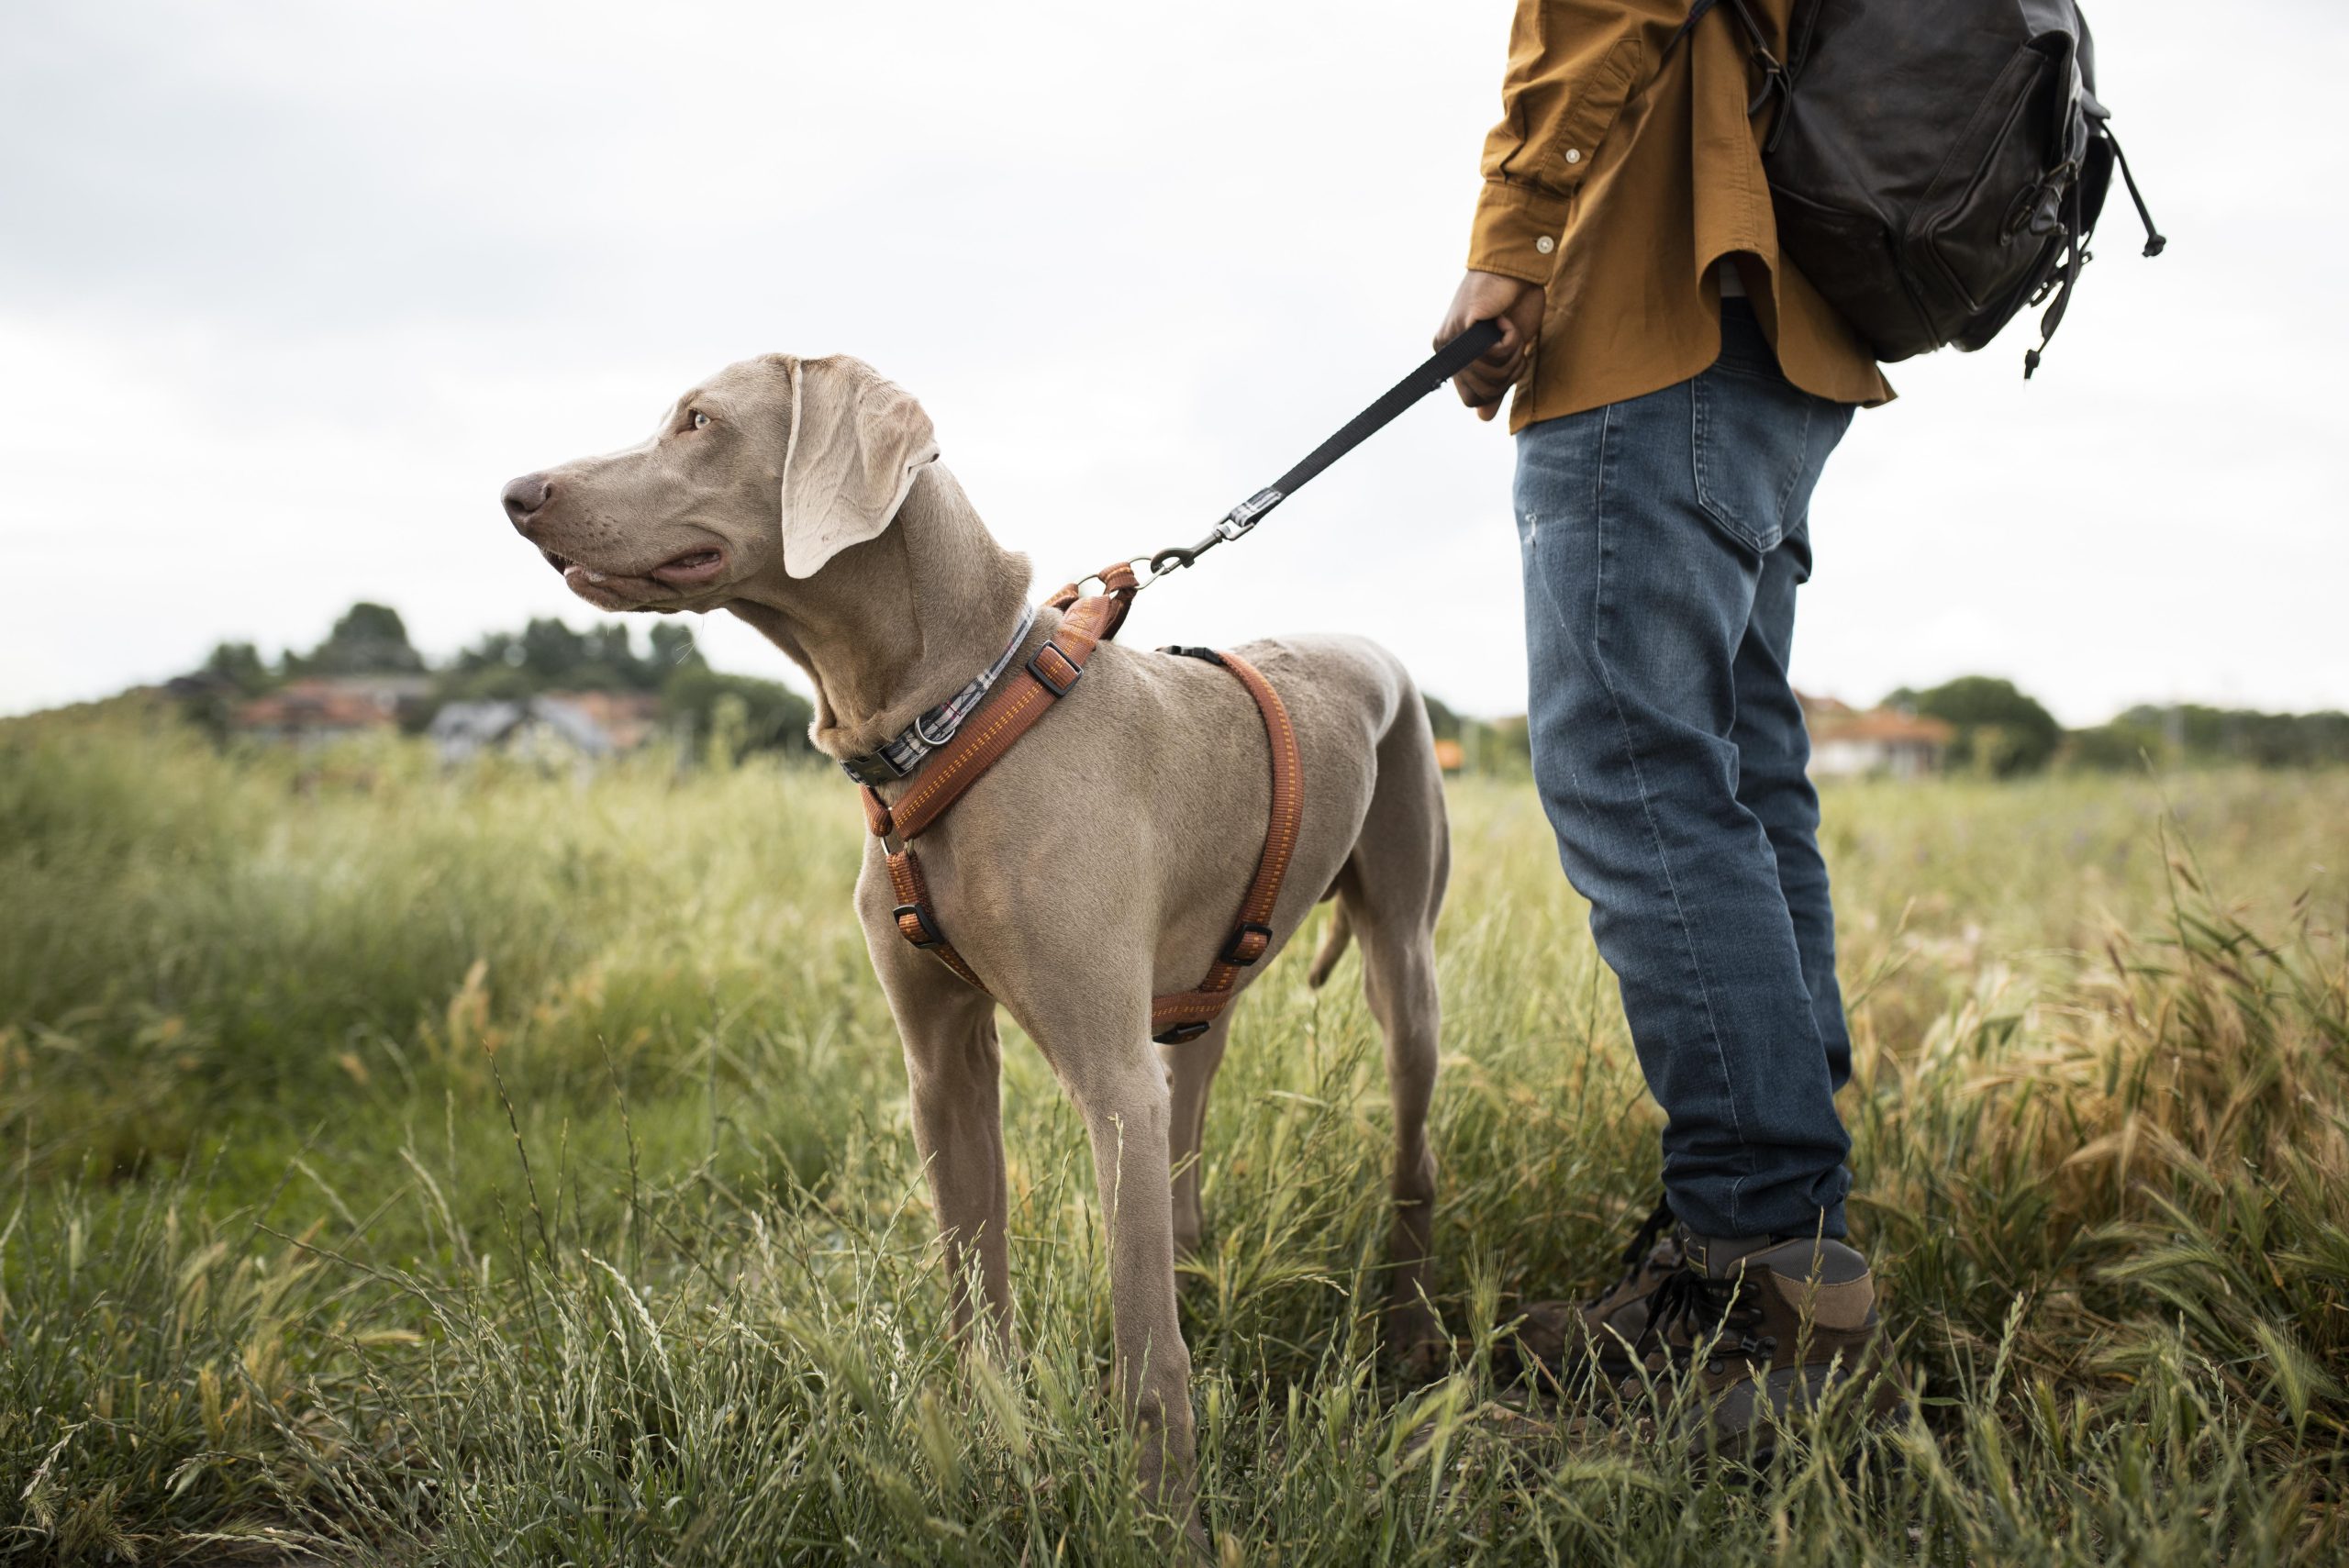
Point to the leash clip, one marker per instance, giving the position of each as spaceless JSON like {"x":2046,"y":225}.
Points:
{"x":1242,"y":517}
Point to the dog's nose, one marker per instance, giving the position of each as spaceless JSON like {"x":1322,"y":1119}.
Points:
{"x":525,"y":496}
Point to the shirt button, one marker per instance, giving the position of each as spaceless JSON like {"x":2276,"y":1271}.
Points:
{"x":1545,"y":245}
{"x":1573,"y":155}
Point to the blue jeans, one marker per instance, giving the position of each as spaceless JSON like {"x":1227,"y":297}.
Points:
{"x":1662,"y":541}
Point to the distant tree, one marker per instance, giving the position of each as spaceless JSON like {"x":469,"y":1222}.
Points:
{"x":369,"y":639}
{"x":1512,"y":746}
{"x":488,"y":681}
{"x":750,"y":714}
{"x":610,"y":662}
{"x":1441,"y":719}
{"x":551,"y":651}
{"x":549,"y":655}
{"x":2117,"y":746}
{"x":2263,"y":740}
{"x":1487,"y":746}
{"x":497,"y":650}
{"x":238,"y":665}
{"x":673,"y":649}
{"x":230,"y":675}
{"x":604,"y":657}
{"x":2192,"y":734}
{"x":2000,"y":731}
{"x":2323,"y":738}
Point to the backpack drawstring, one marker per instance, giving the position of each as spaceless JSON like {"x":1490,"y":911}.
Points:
{"x":2155,"y":241}
{"x":2074,"y":218}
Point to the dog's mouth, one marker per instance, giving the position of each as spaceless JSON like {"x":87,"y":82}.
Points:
{"x":692,"y":569}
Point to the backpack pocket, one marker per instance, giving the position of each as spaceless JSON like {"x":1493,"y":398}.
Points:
{"x":1989,"y":220}
{"x":1851,"y":260}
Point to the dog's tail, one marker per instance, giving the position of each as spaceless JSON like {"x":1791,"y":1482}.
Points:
{"x":1333,"y":945}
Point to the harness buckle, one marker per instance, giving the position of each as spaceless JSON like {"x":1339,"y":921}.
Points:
{"x":1058,"y":688}
{"x":932,"y":937}
{"x":1241,"y":951}
{"x":873,"y":768}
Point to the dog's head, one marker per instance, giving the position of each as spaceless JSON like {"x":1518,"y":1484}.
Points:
{"x":773,"y":462}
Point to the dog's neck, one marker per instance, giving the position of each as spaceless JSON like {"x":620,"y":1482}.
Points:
{"x":892,"y":628}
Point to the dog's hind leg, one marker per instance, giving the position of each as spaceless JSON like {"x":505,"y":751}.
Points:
{"x":1392,"y":888}
{"x":1190,"y":1073}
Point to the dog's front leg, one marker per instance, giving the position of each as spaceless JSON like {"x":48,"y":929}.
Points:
{"x":1190,"y":1073}
{"x":953,"y":1068}
{"x":1106,"y":1062}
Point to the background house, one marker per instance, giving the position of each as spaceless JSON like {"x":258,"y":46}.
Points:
{"x":1846,"y":742}
{"x":566,"y":726}
{"x":323,"y":707}
{"x":546,"y":691}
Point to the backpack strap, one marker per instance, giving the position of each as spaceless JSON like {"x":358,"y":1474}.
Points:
{"x":1777,"y":80}
{"x":1695,"y":14}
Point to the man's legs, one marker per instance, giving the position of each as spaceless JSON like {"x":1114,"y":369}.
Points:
{"x":1773,"y":783}
{"x":1662,"y":539}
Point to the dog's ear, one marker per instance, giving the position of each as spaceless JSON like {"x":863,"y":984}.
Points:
{"x":856,"y":443}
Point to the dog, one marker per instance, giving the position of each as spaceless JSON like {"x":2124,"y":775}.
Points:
{"x":1097,"y":864}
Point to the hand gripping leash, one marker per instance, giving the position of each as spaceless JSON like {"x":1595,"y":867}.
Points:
{"x":1440,"y":367}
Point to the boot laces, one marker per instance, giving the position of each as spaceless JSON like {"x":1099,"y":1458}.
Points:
{"x":1643,"y":1242}
{"x":1691,"y":1312}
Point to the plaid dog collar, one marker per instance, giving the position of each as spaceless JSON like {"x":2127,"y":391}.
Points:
{"x":897,"y":759}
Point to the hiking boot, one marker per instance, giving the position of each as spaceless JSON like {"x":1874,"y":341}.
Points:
{"x":1763,"y":1325}
{"x":1559,"y":1344}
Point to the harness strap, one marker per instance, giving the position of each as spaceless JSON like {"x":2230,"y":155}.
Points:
{"x":1087,"y":622}
{"x":917,"y":922}
{"x":1186,"y":1015}
{"x":1049,"y":676}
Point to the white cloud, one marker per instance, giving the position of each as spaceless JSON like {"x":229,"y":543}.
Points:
{"x":288,"y":290}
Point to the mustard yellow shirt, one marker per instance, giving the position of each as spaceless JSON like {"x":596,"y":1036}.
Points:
{"x":1618,"y":177}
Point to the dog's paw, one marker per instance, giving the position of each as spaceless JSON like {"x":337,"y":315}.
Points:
{"x":1419,"y":1352}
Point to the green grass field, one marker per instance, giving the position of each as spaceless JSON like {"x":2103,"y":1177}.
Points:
{"x":403,"y":1166}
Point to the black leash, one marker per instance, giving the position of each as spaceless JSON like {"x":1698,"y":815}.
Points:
{"x":1440,"y":367}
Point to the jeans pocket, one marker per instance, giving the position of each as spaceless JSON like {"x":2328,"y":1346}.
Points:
{"x":1760,"y":443}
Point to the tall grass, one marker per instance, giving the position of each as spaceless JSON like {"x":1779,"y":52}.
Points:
{"x":419,"y":1167}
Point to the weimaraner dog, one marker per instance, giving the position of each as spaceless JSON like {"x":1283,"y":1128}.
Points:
{"x":1097,"y":864}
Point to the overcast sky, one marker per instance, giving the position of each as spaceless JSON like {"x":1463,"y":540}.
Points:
{"x":287,"y":290}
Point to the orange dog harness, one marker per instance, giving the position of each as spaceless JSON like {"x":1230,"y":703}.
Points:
{"x":1086,"y":622}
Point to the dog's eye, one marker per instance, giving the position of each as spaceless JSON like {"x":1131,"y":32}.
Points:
{"x":701,"y":420}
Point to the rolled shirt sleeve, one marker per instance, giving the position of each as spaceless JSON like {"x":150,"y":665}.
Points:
{"x":1572,"y":66}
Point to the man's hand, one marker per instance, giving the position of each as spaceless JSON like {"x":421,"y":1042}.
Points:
{"x":1517,"y":306}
